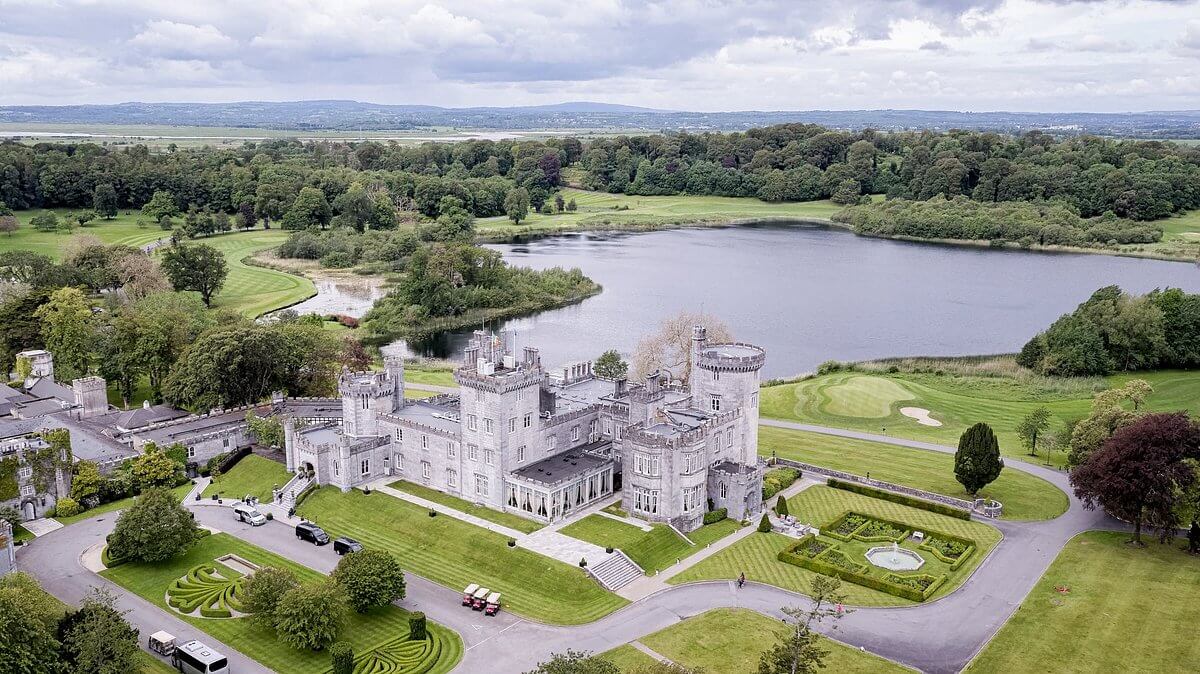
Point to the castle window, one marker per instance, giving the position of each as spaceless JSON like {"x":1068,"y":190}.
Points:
{"x":691,"y":462}
{"x":716,"y":375}
{"x":452,"y":478}
{"x":400,"y":463}
{"x":754,"y":399}
{"x":487,"y":426}
{"x":425,"y":469}
{"x":450,"y":451}
{"x":715,"y":403}
{"x":365,"y":467}
{"x":399,"y":435}
{"x":691,"y":498}
{"x":551,"y":442}
{"x":729,"y":438}
{"x":574,"y":433}
{"x":512,"y":425}
{"x":473,"y":452}
{"x":225,"y":442}
{"x":645,"y":500}
{"x":481,"y":485}
{"x":25,"y":472}
{"x":472,"y":424}
{"x":520,"y":453}
{"x":191,"y":452}
{"x":489,"y":457}
{"x":424,"y":441}
{"x":365,"y":403}
{"x":528,"y":420}
{"x":723,"y":489}
{"x":27,"y":490}
{"x":336,"y":470}
{"x":645,"y":465}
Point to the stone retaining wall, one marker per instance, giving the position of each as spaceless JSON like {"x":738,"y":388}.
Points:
{"x":878,"y":484}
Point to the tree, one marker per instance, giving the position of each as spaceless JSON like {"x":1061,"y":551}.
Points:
{"x":848,"y":191}
{"x":246,"y":219}
{"x":8,"y":221}
{"x":571,"y":206}
{"x":781,"y":506}
{"x":575,"y":662}
{"x":800,"y":652}
{"x":310,"y":209}
{"x":341,"y":656}
{"x":68,"y":329}
{"x":1108,"y":414}
{"x":161,"y":206}
{"x":153,"y":468}
{"x":104,"y":201}
{"x":263,"y":591}
{"x":764,"y":524}
{"x":516,"y":204}
{"x":267,"y":431}
{"x":418,"y":630}
{"x":1032,"y":426}
{"x":977,"y":462}
{"x":97,"y":639}
{"x":355,"y":207}
{"x":196,"y":267}
{"x":610,"y":365}
{"x":154,"y":529}
{"x":28,"y":620}
{"x":370,"y":578}
{"x":85,"y":483}
{"x":670,"y":347}
{"x":46,"y":221}
{"x":1140,"y":473}
{"x":311,"y":616}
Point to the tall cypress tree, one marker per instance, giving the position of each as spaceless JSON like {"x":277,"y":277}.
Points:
{"x":977,"y":462}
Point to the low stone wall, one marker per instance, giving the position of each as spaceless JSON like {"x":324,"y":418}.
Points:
{"x":878,"y":484}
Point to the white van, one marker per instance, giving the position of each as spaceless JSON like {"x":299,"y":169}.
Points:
{"x":195,"y":658}
{"x":249,"y":514}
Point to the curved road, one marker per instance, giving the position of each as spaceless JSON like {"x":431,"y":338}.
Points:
{"x":939,"y":636}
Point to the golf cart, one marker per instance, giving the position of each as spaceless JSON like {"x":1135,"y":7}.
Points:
{"x":493,"y":604}
{"x":469,"y":594}
{"x":479,"y":599}
{"x":162,"y":643}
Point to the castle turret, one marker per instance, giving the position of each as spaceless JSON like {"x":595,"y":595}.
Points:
{"x":91,"y":396}
{"x":725,"y":377}
{"x":393,"y":365}
{"x":365,"y":395}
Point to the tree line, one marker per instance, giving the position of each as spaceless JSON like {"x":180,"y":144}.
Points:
{"x":1114,"y":331}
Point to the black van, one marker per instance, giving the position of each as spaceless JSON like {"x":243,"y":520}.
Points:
{"x":307,"y":531}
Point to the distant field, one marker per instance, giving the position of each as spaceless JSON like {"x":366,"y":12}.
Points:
{"x":122,"y":229}
{"x":599,"y":210}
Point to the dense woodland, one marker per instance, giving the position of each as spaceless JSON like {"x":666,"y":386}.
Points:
{"x":1114,"y":331}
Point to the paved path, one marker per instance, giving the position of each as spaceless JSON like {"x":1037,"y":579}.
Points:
{"x":939,"y":636}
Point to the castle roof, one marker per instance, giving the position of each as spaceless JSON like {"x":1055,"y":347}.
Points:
{"x":567,"y":466}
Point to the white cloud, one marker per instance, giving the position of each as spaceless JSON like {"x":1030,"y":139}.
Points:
{"x":171,"y":39}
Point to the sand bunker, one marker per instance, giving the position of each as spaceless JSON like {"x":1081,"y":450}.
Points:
{"x":921,"y":415}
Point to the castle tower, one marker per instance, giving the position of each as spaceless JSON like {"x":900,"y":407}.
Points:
{"x":393,"y":365}
{"x":365,"y":395}
{"x":91,"y":396}
{"x":725,"y":377}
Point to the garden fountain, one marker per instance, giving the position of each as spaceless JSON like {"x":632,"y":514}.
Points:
{"x":895,"y":558}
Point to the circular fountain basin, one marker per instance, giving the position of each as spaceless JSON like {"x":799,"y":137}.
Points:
{"x":895,"y":559}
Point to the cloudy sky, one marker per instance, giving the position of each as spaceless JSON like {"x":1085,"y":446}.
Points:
{"x":1092,"y":55}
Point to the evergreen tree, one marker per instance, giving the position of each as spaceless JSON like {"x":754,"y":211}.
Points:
{"x":977,"y":462}
{"x":781,"y":506}
{"x":104,"y":201}
{"x":610,"y":365}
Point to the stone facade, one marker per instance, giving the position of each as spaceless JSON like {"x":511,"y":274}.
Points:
{"x":545,"y":443}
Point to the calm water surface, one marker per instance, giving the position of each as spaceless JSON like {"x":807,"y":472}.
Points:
{"x":810,"y":294}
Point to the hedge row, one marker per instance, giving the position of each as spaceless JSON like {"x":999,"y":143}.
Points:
{"x":778,"y":479}
{"x":954,"y":563}
{"x":789,"y":556}
{"x":714,"y":516}
{"x":902,"y":499}
{"x":930,"y":535}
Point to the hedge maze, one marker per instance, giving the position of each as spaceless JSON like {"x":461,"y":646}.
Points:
{"x":845,"y":540}
{"x":404,"y":655}
{"x":214,"y":593}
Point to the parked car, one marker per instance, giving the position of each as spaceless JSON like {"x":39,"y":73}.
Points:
{"x":196,"y":658}
{"x":493,"y":604}
{"x":469,"y":594}
{"x":344,"y":544}
{"x":307,"y":531}
{"x":162,"y":643}
{"x":249,"y":514}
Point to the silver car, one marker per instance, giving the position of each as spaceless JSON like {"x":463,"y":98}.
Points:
{"x":249,"y":514}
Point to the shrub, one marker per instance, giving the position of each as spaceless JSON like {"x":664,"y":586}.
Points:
{"x":512,"y":543}
{"x":262,"y":592}
{"x":781,"y":507}
{"x":714,"y":516}
{"x":67,"y":507}
{"x":311,"y":617}
{"x":417,"y":630}
{"x":777,"y":480}
{"x":341,"y":656}
{"x":902,"y":499}
{"x":583,"y":563}
{"x":155,"y":528}
{"x":764,"y":525}
{"x":370,"y":578}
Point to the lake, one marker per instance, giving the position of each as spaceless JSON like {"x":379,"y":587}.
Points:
{"x":809,"y":293}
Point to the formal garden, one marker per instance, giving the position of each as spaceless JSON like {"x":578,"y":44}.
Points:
{"x":653,"y":550}
{"x":850,"y":523}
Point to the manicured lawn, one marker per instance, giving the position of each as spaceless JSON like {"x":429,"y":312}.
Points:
{"x":731,"y":640}
{"x":413,"y":394}
{"x":1024,"y":496}
{"x":627,"y":658}
{"x":435,"y":376}
{"x":364,"y":632}
{"x":456,"y":554}
{"x":253,"y":475}
{"x":599,"y":210}
{"x":653,"y":550}
{"x":756,"y":554}
{"x":872,"y":402}
{"x":503,"y":519}
{"x":253,"y":291}
{"x":180,"y":492}
{"x":1125,"y":610}
{"x":122,"y":229}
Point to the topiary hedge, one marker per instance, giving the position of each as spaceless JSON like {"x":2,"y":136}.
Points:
{"x":902,"y":499}
{"x":778,"y":479}
{"x":714,"y":516}
{"x":204,"y":588}
{"x":822,"y":563}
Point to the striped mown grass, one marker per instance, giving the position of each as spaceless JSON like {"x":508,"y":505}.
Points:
{"x":455,"y":554}
{"x":756,"y":555}
{"x":653,"y":550}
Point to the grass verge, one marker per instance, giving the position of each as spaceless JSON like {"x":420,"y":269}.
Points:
{"x":253,"y":475}
{"x":653,"y":550}
{"x":495,"y":516}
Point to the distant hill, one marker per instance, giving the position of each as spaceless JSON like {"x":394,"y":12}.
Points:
{"x":350,"y":115}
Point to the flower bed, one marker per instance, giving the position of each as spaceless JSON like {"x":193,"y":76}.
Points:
{"x":844,"y":527}
{"x":949,"y":549}
{"x":878,"y":531}
{"x":923,"y":583}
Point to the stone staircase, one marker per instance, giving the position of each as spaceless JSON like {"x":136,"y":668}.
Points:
{"x":616,"y":571}
{"x":291,"y":490}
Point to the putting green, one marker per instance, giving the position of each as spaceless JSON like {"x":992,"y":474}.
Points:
{"x":863,"y":396}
